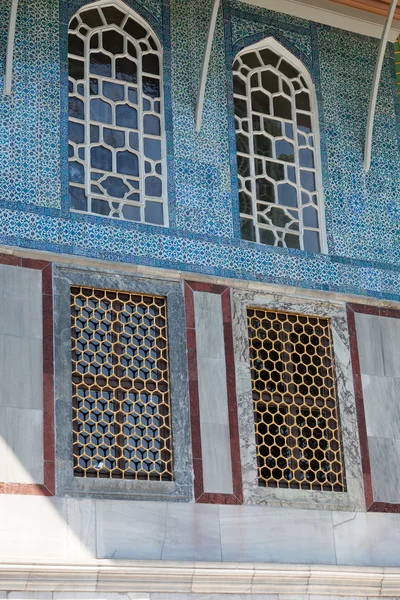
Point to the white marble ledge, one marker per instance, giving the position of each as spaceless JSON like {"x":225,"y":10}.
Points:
{"x":162,"y":596}
{"x":135,"y":577}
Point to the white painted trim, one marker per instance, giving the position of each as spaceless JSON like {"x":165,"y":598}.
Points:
{"x":329,"y":13}
{"x":197,"y":577}
{"x":205,"y":65}
{"x":10,"y":48}
{"x":375,"y":86}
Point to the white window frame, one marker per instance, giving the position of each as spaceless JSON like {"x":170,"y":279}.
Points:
{"x":129,"y":12}
{"x":272,"y":44}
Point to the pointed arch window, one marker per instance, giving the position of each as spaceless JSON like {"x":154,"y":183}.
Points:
{"x":277,"y":149}
{"x":116,"y":130}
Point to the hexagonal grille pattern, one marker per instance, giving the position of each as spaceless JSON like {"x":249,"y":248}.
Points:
{"x":296,"y":415}
{"x":120,"y":390}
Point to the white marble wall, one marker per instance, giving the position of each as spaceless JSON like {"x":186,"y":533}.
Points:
{"x":379,"y":352}
{"x":21,"y":383}
{"x":36,"y":528}
{"x":213,"y":397}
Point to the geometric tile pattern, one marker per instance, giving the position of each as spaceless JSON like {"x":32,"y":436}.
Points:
{"x":362,"y":210}
{"x":396,"y":47}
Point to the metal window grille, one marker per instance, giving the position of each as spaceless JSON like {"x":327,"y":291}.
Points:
{"x":296,"y":414}
{"x":116,"y":129}
{"x":276,"y":151}
{"x":120,"y":385}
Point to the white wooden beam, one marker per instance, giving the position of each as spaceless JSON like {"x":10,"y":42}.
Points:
{"x":375,"y":86}
{"x":10,"y":48}
{"x":206,"y":62}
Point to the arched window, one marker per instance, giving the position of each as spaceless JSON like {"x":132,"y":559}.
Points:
{"x":277,"y":149}
{"x":116,"y":130}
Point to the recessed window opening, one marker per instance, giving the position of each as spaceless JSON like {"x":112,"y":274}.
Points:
{"x":297,"y":424}
{"x":277,"y":149}
{"x":120,"y":385}
{"x":116,"y":127}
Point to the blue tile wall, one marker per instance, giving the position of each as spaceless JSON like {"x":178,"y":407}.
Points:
{"x":362,"y":211}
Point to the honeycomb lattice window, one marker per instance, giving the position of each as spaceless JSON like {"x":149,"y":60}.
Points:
{"x":120,"y":389}
{"x":296,"y":414}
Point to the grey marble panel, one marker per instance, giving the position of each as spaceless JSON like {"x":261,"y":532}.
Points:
{"x":382,"y":406}
{"x":131,"y":530}
{"x":369,"y":339}
{"x":213,"y":397}
{"x":353,"y":497}
{"x":21,"y":371}
{"x":20,"y":302}
{"x":209,"y":325}
{"x":367,"y":539}
{"x":192,"y":533}
{"x":264,"y":534}
{"x":216,"y":454}
{"x":390,"y":329}
{"x":212,"y":390}
{"x":21,"y":444}
{"x":181,"y":488}
{"x":385,"y":469}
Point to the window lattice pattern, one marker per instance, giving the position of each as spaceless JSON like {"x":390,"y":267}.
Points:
{"x":276,"y":152}
{"x":296,"y":415}
{"x":116,"y":154}
{"x":120,"y":395}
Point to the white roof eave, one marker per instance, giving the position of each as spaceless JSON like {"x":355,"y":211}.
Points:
{"x":333,"y":14}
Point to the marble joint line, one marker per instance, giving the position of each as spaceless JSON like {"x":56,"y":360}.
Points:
{"x":48,"y":486}
{"x":352,"y":308}
{"x":200,"y":494}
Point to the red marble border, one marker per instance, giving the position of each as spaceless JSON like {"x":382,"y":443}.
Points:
{"x":352,"y":308}
{"x":48,"y":487}
{"x":200,"y":495}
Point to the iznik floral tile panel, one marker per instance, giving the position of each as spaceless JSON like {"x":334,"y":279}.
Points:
{"x":362,"y":210}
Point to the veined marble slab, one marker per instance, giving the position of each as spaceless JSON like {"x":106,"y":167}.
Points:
{"x":21,"y":375}
{"x":353,"y":497}
{"x":213,"y":395}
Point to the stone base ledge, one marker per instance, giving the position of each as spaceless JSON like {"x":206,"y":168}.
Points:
{"x":199,"y":577}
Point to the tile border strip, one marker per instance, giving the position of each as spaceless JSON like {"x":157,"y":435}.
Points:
{"x":200,"y":495}
{"x":353,"y":308}
{"x":48,"y":487}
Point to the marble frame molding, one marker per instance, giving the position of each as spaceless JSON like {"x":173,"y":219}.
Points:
{"x":180,"y":489}
{"x":371,"y":504}
{"x":48,"y":486}
{"x":352,"y":498}
{"x":200,"y":495}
